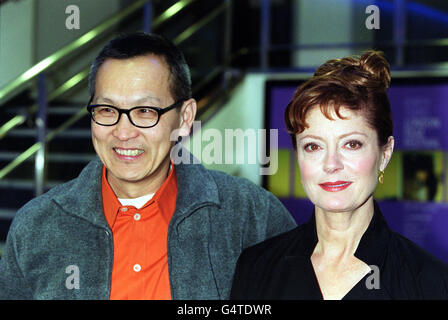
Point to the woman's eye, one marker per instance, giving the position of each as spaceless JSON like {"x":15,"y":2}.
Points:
{"x":311,"y":147}
{"x":353,"y":145}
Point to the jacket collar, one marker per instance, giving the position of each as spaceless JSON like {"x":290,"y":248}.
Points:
{"x":196,"y":186}
{"x":371,"y":249}
{"x":82,"y":196}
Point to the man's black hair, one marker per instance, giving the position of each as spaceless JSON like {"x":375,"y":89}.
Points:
{"x":138,"y":44}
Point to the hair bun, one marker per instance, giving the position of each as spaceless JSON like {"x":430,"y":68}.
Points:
{"x":375,"y":63}
{"x":370,"y":70}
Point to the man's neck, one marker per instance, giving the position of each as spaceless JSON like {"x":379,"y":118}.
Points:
{"x":135,"y":189}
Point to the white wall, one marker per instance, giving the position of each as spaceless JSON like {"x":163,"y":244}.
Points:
{"x":16,"y":39}
{"x":51,"y":31}
{"x":245,"y":110}
{"x":328,"y":22}
{"x":31,"y":30}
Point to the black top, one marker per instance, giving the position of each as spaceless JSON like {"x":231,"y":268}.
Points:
{"x":281,"y":268}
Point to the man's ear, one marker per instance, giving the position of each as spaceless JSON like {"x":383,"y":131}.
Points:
{"x":187,"y":116}
{"x":388,"y":149}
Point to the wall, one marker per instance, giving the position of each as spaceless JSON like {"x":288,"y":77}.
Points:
{"x":16,"y":39}
{"x":244,"y":111}
{"x":32,"y":30}
{"x":314,"y":25}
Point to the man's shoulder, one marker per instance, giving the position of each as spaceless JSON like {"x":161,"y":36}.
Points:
{"x":274,"y":248}
{"x":229,"y":183}
{"x":40,"y":205}
{"x":41,"y":208}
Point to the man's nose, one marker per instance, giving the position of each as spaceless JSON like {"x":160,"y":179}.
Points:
{"x":333,"y":162}
{"x":124,"y":129}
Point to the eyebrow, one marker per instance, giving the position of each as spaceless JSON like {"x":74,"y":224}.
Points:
{"x":340,"y":137}
{"x":136,"y":102}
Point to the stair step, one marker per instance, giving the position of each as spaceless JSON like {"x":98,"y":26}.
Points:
{"x":7,"y":214}
{"x":55,"y":170}
{"x":14,"y":196}
{"x":69,"y":133}
{"x":26,"y":184}
{"x":51,"y":157}
{"x":69,"y":144}
{"x":64,"y":110}
{"x":71,"y":108}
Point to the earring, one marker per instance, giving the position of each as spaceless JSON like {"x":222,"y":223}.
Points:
{"x":381,"y":177}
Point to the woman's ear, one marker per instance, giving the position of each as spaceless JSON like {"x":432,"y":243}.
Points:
{"x":387,"y":152}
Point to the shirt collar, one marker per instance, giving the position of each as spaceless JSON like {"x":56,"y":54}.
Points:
{"x":164,"y":198}
{"x":372,"y":246}
{"x":82,"y":197}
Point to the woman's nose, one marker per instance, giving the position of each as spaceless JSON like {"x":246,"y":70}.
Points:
{"x":333,"y":162}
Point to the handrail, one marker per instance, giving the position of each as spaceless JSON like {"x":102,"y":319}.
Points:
{"x":192,"y":29}
{"x":69,"y":84}
{"x":35,"y":147}
{"x":19,"y":119}
{"x":7,"y":91}
{"x":52,"y":134}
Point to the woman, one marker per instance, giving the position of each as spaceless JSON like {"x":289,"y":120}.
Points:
{"x":341,"y":127}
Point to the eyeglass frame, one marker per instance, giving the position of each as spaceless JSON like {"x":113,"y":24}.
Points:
{"x":160,"y":112}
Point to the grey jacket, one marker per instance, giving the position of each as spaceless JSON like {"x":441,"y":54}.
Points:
{"x":64,"y":234}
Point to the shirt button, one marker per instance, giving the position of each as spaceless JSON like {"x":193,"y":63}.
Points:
{"x":137,"y":267}
{"x":124,"y":209}
{"x":137,"y":216}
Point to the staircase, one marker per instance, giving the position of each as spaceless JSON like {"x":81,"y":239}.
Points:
{"x":67,"y":154}
{"x":194,"y":30}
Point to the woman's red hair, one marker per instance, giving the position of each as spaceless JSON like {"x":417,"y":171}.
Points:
{"x":358,"y":84}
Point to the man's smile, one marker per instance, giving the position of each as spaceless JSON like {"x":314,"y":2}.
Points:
{"x":128,"y":152}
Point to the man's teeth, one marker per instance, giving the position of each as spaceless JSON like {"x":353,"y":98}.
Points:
{"x":129,"y":152}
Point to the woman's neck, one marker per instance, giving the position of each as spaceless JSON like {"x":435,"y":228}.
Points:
{"x":339,"y":233}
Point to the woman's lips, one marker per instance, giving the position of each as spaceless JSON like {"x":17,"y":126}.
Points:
{"x":335,"y":186}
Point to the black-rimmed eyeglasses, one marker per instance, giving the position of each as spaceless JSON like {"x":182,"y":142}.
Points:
{"x":141,"y":116}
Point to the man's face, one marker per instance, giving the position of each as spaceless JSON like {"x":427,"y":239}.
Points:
{"x":135,"y":155}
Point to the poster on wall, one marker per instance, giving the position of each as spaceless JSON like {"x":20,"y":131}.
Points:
{"x":414,"y":195}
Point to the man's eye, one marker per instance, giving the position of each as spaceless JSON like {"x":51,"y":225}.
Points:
{"x":145,"y":112}
{"x":104,"y":110}
{"x":353,"y":145}
{"x":311,"y":147}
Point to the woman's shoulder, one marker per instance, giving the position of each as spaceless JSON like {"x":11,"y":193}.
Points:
{"x":430,"y":272}
{"x":275,"y":247}
{"x":421,"y":259}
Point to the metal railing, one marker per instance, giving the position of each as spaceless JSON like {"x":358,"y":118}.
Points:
{"x":39,"y":70}
{"x":25,"y":78}
{"x":265,"y":47}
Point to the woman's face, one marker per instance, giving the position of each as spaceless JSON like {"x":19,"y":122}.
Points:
{"x":339,"y":160}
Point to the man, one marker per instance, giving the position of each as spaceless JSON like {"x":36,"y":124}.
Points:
{"x":133,"y":225}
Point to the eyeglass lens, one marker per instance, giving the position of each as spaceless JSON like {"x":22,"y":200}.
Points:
{"x":144,"y":117}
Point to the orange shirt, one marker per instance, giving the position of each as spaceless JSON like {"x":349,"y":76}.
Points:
{"x":140,"y":267}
